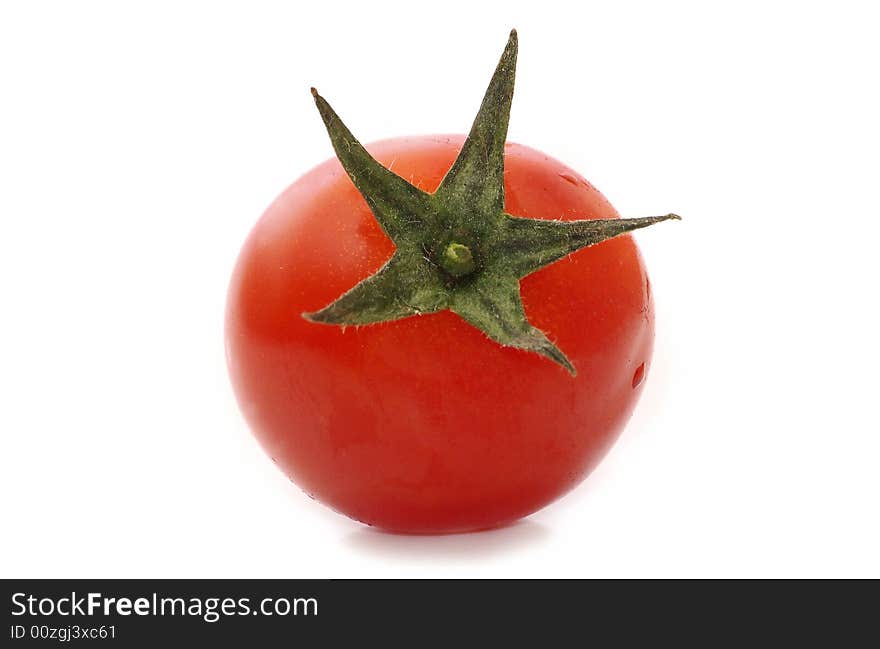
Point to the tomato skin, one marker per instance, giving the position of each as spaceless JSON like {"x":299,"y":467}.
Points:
{"x":424,"y":425}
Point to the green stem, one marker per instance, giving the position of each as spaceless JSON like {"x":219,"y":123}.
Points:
{"x":458,"y":260}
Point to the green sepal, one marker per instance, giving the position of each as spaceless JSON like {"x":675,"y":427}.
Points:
{"x":475,"y":182}
{"x":398,"y":206}
{"x":496,"y":309}
{"x":527,"y":245}
{"x":406,"y":285}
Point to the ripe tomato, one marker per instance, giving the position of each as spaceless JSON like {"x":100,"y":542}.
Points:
{"x":423,"y":424}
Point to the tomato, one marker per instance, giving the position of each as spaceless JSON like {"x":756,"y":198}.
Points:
{"x":423,"y":424}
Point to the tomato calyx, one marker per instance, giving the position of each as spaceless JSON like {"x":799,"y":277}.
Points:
{"x":457,"y":248}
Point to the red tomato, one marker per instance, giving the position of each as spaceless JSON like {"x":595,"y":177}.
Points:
{"x":424,"y":425}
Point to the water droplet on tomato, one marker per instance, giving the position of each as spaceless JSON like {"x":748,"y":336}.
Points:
{"x":570,"y":178}
{"x":639,"y":375}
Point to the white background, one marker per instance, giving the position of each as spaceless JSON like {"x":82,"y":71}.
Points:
{"x":139,"y":142}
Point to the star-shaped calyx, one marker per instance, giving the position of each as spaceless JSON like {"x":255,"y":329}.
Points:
{"x":457,"y":248}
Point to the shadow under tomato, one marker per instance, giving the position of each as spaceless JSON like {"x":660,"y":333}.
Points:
{"x":471,"y":545}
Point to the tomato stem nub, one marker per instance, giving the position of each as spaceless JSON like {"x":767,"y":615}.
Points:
{"x":423,"y":274}
{"x":458,"y":260}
